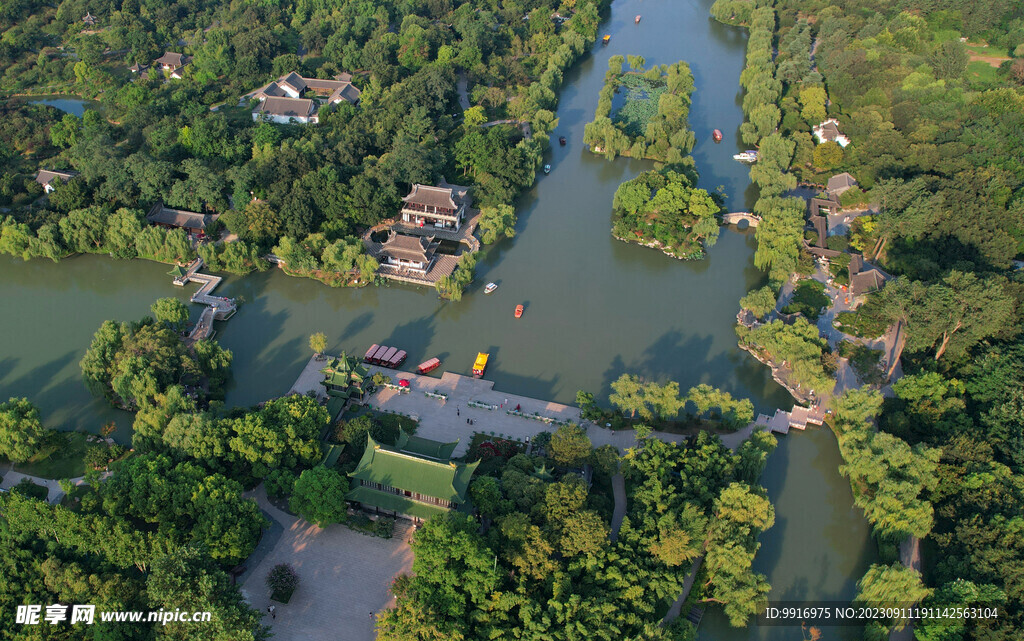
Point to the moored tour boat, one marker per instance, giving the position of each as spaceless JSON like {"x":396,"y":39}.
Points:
{"x":519,"y":311}
{"x":716,"y":135}
{"x":480,"y":364}
{"x":746,"y":156}
{"x":547,"y":169}
{"x":490,"y":288}
{"x":370,"y":352}
{"x":429,"y":365}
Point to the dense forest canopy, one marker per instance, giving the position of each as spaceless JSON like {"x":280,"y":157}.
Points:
{"x":191,"y":143}
{"x":931,"y":96}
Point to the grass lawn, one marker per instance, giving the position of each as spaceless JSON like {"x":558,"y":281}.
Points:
{"x":988,"y":51}
{"x":62,"y":460}
{"x":980,"y":70}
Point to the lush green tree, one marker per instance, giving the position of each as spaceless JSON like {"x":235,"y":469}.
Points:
{"x":318,"y":342}
{"x":171,"y":312}
{"x":319,"y":496}
{"x":187,"y":580}
{"x":21,"y":432}
{"x":759,"y":301}
{"x":496,"y":222}
{"x":891,"y":586}
{"x":570,"y":446}
{"x":628,"y":395}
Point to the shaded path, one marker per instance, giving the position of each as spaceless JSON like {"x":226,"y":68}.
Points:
{"x":619,"y":492}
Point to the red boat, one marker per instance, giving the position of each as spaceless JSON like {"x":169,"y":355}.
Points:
{"x":716,"y":135}
{"x":370,"y":352}
{"x":519,"y":311}
{"x":429,"y":366}
{"x":386,"y":358}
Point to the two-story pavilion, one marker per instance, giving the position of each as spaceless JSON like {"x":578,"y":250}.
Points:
{"x":346,"y":378}
{"x":442,"y":207}
{"x":415,"y":479}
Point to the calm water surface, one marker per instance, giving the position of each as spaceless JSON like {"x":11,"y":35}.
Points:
{"x":74,"y":106}
{"x":595,"y":308}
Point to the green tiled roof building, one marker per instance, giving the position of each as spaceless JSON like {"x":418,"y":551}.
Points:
{"x":345,"y":378}
{"x":416,"y":478}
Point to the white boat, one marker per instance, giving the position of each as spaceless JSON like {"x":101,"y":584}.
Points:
{"x":490,"y":288}
{"x":746,"y":156}
{"x":547,"y":169}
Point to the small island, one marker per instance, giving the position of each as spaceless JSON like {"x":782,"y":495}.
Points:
{"x":665,"y":210}
{"x":651,"y":122}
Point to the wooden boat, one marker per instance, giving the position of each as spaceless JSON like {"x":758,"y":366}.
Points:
{"x":716,"y":135}
{"x":746,"y":156}
{"x":561,"y":140}
{"x":480,"y":364}
{"x":370,"y":352}
{"x":519,"y":311}
{"x":397,"y":359}
{"x":490,"y":288}
{"x":547,"y":169}
{"x":605,"y":40}
{"x":429,"y":365}
{"x":378,"y":354}
{"x":636,"y":20}
{"x":385,"y":360}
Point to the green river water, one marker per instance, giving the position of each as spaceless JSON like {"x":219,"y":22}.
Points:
{"x":595,"y":308}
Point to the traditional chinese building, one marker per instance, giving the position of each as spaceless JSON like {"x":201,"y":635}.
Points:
{"x":172,"y":63}
{"x":346,"y":378}
{"x":190,"y":221}
{"x":48,"y":177}
{"x":293,"y":85}
{"x":415,"y":479}
{"x":442,"y":207}
{"x":828,"y":131}
{"x":413,"y":253}
{"x":286,"y":110}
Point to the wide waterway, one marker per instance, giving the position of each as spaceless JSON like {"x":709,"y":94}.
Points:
{"x":595,"y":308}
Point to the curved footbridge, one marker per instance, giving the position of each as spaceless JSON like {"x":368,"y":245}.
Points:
{"x":217,"y":307}
{"x":734,"y":218}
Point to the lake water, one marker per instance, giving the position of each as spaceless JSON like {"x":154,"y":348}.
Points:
{"x":595,"y":308}
{"x":74,"y":106}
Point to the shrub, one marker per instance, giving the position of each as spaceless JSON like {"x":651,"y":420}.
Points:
{"x":838,"y":243}
{"x":282,"y":581}
{"x":808,"y":299}
{"x":384,"y":527}
{"x":28,"y":488}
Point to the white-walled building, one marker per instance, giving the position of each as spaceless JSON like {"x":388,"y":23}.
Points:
{"x":828,"y":131}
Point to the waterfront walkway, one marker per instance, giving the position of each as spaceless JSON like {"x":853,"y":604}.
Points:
{"x":223,"y":308}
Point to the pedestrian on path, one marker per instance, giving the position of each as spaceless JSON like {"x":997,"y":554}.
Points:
{"x":272,"y":609}
{"x":457,"y":412}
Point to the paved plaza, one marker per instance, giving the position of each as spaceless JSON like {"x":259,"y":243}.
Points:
{"x":344,"y":576}
{"x":445,"y":420}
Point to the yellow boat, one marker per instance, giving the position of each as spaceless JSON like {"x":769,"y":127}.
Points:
{"x":606,"y":39}
{"x":480,"y":364}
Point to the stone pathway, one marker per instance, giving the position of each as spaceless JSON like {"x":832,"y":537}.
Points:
{"x":54,"y":493}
